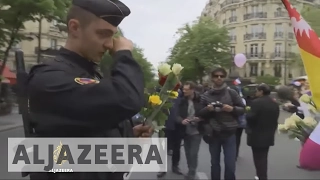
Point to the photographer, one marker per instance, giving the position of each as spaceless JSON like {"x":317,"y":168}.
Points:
{"x":222,"y":107}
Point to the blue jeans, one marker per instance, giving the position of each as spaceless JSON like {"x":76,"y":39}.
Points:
{"x":230,"y":150}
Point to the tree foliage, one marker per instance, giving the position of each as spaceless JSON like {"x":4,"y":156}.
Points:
{"x":201,"y":46}
{"x":13,"y":15}
{"x":310,"y":14}
{"x":268,"y":79}
{"x":107,"y":62}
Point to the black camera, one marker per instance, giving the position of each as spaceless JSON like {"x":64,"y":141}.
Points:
{"x":217,"y":104}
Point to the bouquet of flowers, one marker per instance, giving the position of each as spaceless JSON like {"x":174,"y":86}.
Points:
{"x":156,"y":111}
{"x":298,"y":128}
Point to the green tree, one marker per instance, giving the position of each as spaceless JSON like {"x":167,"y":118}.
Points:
{"x":201,"y":46}
{"x":14,"y":14}
{"x":107,"y":62}
{"x":310,"y":14}
{"x":268,"y":79}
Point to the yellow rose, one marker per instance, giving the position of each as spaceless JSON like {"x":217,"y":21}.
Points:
{"x":155,"y":100}
{"x":305,"y":98}
{"x":295,"y":118}
{"x":282,"y":128}
{"x":309,"y":121}
{"x":164,"y":69}
{"x":176,"y":68}
{"x":173,"y":94}
{"x":290,"y":123}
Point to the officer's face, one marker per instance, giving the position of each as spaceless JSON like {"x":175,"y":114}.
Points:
{"x":97,"y":38}
{"x":100,"y":35}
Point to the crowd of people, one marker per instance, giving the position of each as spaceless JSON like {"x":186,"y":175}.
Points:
{"x":68,"y":97}
{"x":219,"y":115}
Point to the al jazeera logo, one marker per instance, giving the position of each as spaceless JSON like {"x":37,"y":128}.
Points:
{"x":56,"y":155}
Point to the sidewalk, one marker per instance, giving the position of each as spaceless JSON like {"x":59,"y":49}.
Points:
{"x":11,"y":121}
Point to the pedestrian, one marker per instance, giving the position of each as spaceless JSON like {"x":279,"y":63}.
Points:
{"x":69,"y":98}
{"x":262,"y":123}
{"x":170,"y":131}
{"x":222,"y":107}
{"x":242,"y":125}
{"x":177,"y":137}
{"x":189,"y":106}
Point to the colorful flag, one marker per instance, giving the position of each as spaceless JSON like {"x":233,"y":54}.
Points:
{"x":309,"y":45}
{"x":237,"y":82}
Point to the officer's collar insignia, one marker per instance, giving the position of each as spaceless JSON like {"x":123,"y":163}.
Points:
{"x":84,"y":81}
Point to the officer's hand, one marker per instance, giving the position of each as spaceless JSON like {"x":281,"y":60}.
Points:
{"x":121,"y":43}
{"x":143,"y":130}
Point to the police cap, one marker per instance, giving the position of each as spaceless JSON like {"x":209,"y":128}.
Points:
{"x":112,"y":11}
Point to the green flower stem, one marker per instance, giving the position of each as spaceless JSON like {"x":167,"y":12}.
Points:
{"x":170,"y":83}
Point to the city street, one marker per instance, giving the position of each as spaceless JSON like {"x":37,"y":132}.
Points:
{"x":283,"y":158}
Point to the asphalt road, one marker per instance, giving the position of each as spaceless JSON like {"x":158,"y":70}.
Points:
{"x":283,"y":158}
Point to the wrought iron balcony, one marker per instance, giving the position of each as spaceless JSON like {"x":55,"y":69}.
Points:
{"x":228,"y":2}
{"x":278,"y":35}
{"x":233,"y":38}
{"x":256,"y":15}
{"x":256,"y":55}
{"x":233,"y":19}
{"x":255,"y":36}
{"x":290,"y":35}
{"x":280,"y":14}
{"x":312,"y":1}
{"x":282,"y":55}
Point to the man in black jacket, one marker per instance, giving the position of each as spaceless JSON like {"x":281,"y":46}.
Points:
{"x":69,"y":98}
{"x":262,"y":123}
{"x":222,"y":108}
{"x":188,"y":108}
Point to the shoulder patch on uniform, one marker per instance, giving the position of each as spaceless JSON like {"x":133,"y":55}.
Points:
{"x":84,"y":81}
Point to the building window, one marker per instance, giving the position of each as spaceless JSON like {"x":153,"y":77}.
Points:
{"x":233,"y":13}
{"x":256,"y":29}
{"x":277,"y":70}
{"x":277,"y":50}
{"x":232,"y":32}
{"x":254,"y":50}
{"x":253,"y":69}
{"x":279,"y":27}
{"x":233,"y":50}
{"x":254,"y":9}
{"x":279,"y":9}
{"x":246,"y":49}
{"x":262,"y":48}
{"x":54,"y":43}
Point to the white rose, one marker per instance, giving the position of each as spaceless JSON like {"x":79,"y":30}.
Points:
{"x":309,"y":121}
{"x":164,"y":69}
{"x":176,"y":68}
{"x":290,"y":123}
{"x":305,"y":98}
{"x":282,"y":128}
{"x":295,"y":118}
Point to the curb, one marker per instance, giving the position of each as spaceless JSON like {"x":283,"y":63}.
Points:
{"x":10,"y":127}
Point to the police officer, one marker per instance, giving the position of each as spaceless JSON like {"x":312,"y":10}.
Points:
{"x":69,"y":98}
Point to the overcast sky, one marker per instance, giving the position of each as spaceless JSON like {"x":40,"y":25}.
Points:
{"x":152,"y":24}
